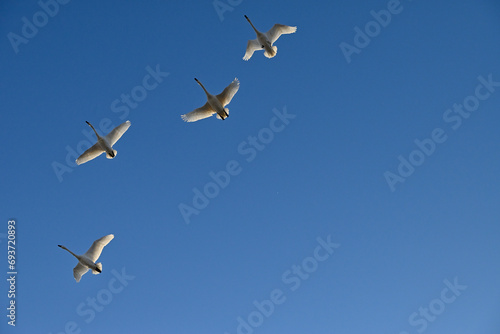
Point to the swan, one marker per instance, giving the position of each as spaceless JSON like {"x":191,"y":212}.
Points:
{"x":265,"y":40}
{"x":104,"y":144}
{"x":215,"y":104}
{"x":87,"y":260}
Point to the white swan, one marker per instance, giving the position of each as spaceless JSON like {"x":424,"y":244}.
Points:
{"x":104,"y":144}
{"x":215,"y":104}
{"x":265,"y":40}
{"x":87,"y":260}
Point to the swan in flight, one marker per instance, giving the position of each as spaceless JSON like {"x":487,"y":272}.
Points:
{"x":87,"y":260}
{"x":215,"y":104}
{"x":265,"y":40}
{"x":104,"y":144}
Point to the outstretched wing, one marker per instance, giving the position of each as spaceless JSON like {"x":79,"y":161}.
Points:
{"x":117,"y":133}
{"x":227,"y":94}
{"x":79,"y":271}
{"x":95,"y":250}
{"x":277,"y":30}
{"x":92,"y":153}
{"x":200,"y":113}
{"x":252,"y":46}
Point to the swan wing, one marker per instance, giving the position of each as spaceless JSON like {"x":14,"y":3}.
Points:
{"x":200,"y":113}
{"x":252,"y":46}
{"x":79,"y":271}
{"x":117,"y":133}
{"x":277,"y":30}
{"x":227,"y":94}
{"x":95,"y":250}
{"x":92,"y":153}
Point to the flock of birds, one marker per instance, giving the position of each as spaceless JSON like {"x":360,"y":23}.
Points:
{"x":215,"y":105}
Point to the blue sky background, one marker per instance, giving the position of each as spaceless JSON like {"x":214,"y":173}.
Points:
{"x":322,"y":175}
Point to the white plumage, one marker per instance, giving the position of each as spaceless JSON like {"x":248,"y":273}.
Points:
{"x":104,"y":144}
{"x":87,"y":260}
{"x":265,"y":41}
{"x":215,"y":104}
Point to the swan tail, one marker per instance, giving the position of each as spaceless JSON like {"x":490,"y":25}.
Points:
{"x":99,"y":268}
{"x":227,"y":112}
{"x":110,"y":157}
{"x":271,"y":55}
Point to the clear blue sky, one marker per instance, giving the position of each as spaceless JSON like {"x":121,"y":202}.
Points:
{"x":330,"y":170}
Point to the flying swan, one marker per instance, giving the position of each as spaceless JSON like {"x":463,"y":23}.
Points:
{"x":265,"y":40}
{"x":215,"y":104}
{"x":87,"y":260}
{"x":104,"y":144}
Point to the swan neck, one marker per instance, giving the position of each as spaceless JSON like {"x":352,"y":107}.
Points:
{"x":71,"y":253}
{"x":208,"y":94}
{"x":94,"y":130}
{"x":252,"y":25}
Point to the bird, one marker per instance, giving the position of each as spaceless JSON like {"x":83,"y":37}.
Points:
{"x":265,"y":40}
{"x":104,"y":144}
{"x":215,"y":103}
{"x":87,"y":260}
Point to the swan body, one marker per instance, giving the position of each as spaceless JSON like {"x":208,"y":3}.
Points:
{"x":215,"y":103}
{"x":104,"y":144}
{"x":265,"y":41}
{"x":88,"y":260}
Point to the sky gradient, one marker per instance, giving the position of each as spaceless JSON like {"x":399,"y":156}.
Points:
{"x":352,"y":189}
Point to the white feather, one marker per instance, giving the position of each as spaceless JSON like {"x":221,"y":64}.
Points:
{"x":265,"y":41}
{"x":87,"y":260}
{"x":215,"y":104}
{"x":104,"y":144}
